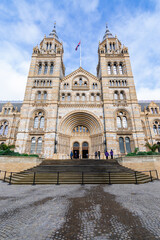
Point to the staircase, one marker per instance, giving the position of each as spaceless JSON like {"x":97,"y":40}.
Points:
{"x":84,"y":171}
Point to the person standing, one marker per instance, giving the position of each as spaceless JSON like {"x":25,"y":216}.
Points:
{"x":111,"y":153}
{"x":106,"y":154}
{"x":95,"y":154}
{"x":71,"y":155}
{"x":99,"y":154}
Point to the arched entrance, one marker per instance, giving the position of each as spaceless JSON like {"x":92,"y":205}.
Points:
{"x":85,"y":150}
{"x":76,"y":150}
{"x":82,"y":133}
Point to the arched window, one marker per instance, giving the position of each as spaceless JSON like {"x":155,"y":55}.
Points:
{"x":155,"y":129}
{"x":96,"y":86}
{"x":85,"y":144}
{"x":77,"y":97}
{"x":115,"y":68}
{"x":159,"y":129}
{"x":80,"y":82}
{"x":125,"y":125}
{"x":110,"y":83}
{"x":51,"y":68}
{"x":113,"y":46}
{"x":156,"y":112}
{"x":75,"y":83}
{"x":116,"y":95}
{"x":85,"y":83}
{"x":6,"y":130}
{"x":128,"y":146}
{"x":65,"y":86}
{"x":33,"y":145}
{"x":39,"y":145}
{"x":63,"y":97}
{"x":92,"y":97}
{"x":36,"y":122}
{"x":125,"y":83}
{"x":39,"y":96}
{"x":41,"y":122}
{"x":119,"y":124}
{"x":45,"y":68}
{"x":75,"y":144}
{"x":55,"y":47}
{"x":109,"y":68}
{"x":152,"y":110}
{"x":110,"y":46}
{"x":45,"y":95}
{"x":83,"y":97}
{"x":1,"y":130}
{"x":5,"y":111}
{"x":39,"y":68}
{"x":98,"y":97}
{"x":116,"y":83}
{"x":121,"y":145}
{"x":121,"y":68}
{"x":69,"y":97}
{"x":121,"y":95}
{"x":47,"y":46}
{"x":50,"y":45}
{"x":122,"y":83}
{"x":93,"y":86}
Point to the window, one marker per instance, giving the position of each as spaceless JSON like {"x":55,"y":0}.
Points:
{"x":96,"y":86}
{"x":39,"y":68}
{"x":50,"y":45}
{"x":39,"y":145}
{"x":121,"y":69}
{"x":121,"y":95}
{"x":92,"y":97}
{"x":109,"y":68}
{"x":110,"y":46}
{"x":65,"y":86}
{"x":5,"y":111}
{"x":156,"y":112}
{"x":80,"y":82}
{"x":41,"y":122}
{"x":113,"y":46}
{"x":155,"y":129}
{"x":36,"y":122}
{"x":152,"y":110}
{"x":1,"y":130}
{"x":39,"y":96}
{"x":159,"y":129}
{"x":77,"y":97}
{"x":119,"y":124}
{"x":93,"y":86}
{"x":83,"y":97}
{"x":116,"y":95}
{"x":128,"y":147}
{"x":115,"y":68}
{"x":75,"y":83}
{"x":85,"y":83}
{"x":69,"y":97}
{"x":63,"y":97}
{"x":47,"y":46}
{"x":45,"y":95}
{"x":33,"y":145}
{"x":98,"y":97}
{"x":4,"y":128}
{"x":121,"y":145}
{"x":125,"y":122}
{"x":51,"y":68}
{"x":45,"y":68}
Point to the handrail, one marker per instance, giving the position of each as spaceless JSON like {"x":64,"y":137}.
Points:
{"x":80,"y":173}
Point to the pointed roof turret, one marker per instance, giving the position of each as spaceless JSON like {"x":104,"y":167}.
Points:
{"x":53,"y":34}
{"x":107,"y":34}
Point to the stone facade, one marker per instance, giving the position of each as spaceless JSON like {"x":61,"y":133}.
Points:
{"x":79,"y":112}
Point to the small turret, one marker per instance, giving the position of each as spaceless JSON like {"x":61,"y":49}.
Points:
{"x":53,"y":34}
{"x":107,"y":34}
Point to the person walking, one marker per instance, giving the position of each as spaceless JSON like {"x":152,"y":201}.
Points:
{"x":111,"y":153}
{"x":95,"y":154}
{"x":71,"y":155}
{"x":106,"y":154}
{"x":99,"y":154}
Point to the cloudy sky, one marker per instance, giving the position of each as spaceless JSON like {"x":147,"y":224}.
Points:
{"x":23,"y":24}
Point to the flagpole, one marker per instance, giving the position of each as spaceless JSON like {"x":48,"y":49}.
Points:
{"x":80,"y":54}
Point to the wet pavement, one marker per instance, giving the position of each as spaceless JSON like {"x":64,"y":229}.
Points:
{"x":74,"y":212}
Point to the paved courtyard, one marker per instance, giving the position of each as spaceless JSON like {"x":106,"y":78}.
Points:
{"x":74,"y":212}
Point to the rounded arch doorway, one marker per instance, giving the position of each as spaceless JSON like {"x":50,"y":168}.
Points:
{"x":76,"y":150}
{"x":85,"y":150}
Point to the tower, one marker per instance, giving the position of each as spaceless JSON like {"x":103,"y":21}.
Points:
{"x":122,"y":124}
{"x":41,"y":98}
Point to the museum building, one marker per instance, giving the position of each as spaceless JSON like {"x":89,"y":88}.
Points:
{"x":79,"y":112}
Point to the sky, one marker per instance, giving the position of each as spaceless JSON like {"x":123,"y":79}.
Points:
{"x":23,"y":24}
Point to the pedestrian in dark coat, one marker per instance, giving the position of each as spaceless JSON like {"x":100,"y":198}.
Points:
{"x":95,"y":154}
{"x":99,"y":154}
{"x":71,"y":155}
{"x":106,"y":154}
{"x":111,"y":153}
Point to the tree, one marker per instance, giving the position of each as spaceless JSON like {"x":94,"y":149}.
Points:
{"x":152,"y":147}
{"x":4,"y":147}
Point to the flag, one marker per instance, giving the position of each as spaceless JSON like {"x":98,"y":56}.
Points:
{"x":78,"y":45}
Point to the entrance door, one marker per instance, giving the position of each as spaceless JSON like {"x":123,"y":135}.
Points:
{"x":76,"y":150}
{"x":85,"y":150}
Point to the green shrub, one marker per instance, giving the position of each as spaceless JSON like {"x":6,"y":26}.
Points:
{"x":33,"y":155}
{"x":131,"y":154}
{"x":142,"y":153}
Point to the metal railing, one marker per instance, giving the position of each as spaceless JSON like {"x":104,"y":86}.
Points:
{"x":83,"y":175}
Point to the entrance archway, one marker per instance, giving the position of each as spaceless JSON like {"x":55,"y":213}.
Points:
{"x":85,"y":150}
{"x":76,"y":150}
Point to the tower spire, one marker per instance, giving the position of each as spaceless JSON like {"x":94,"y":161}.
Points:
{"x":53,"y":34}
{"x":107,"y":34}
